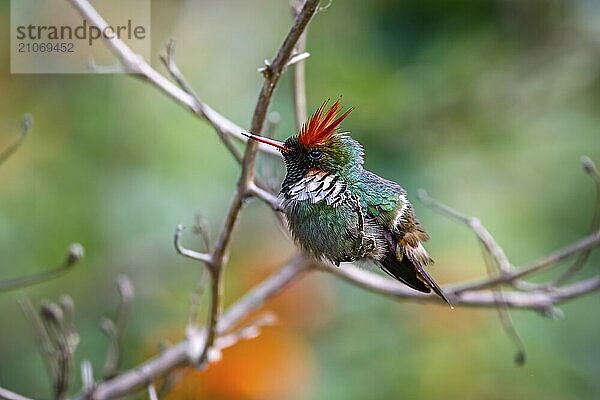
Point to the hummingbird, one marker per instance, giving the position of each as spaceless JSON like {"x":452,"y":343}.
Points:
{"x":341,"y":212}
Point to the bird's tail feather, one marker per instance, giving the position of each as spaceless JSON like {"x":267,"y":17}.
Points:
{"x":408,"y":266}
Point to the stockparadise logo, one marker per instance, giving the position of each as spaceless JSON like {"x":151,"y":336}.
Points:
{"x":50,"y":36}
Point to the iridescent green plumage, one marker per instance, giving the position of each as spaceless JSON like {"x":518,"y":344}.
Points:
{"x":338,"y":211}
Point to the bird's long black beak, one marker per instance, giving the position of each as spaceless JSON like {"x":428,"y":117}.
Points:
{"x":270,"y":142}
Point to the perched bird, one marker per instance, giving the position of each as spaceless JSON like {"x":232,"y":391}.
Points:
{"x":339,"y":211}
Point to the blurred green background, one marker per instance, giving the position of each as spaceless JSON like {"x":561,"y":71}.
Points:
{"x":487,"y":104}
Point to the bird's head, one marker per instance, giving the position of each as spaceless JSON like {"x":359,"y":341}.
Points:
{"x":319,"y":146}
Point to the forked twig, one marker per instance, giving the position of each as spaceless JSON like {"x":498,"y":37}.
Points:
{"x":194,"y":255}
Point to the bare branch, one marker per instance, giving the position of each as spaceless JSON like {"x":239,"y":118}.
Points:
{"x":588,"y":242}
{"x":75,"y":253}
{"x":177,"y":355}
{"x":539,"y":300}
{"x":260,"y":111}
{"x":247,"y":175}
{"x":137,"y":65}
{"x":186,"y":96}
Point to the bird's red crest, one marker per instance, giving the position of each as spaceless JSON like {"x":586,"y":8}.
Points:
{"x":320,"y":127}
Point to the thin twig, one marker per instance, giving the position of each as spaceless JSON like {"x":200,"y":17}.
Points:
{"x":194,"y":255}
{"x":168,"y":60}
{"x":8,"y":395}
{"x":484,"y":236}
{"x":52,"y":317}
{"x":269,"y":168}
{"x":115,"y":328}
{"x":87,"y":375}
{"x":152,"y":395}
{"x":44,"y":342}
{"x":200,"y":229}
{"x":195,"y":298}
{"x":589,"y":168}
{"x":502,"y":310}
{"x":26,"y":124}
{"x":75,"y":253}
{"x":298,"y":74}
{"x":248,"y":331}
{"x":265,"y":196}
{"x":56,"y":338}
{"x":213,"y":267}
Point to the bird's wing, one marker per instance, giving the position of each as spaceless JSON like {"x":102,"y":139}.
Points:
{"x":382,"y":199}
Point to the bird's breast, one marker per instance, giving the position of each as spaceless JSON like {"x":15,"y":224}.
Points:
{"x":314,"y":187}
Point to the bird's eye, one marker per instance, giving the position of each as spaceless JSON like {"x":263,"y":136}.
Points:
{"x":315,"y":154}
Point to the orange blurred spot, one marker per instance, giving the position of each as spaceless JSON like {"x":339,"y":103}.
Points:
{"x":276,"y":365}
